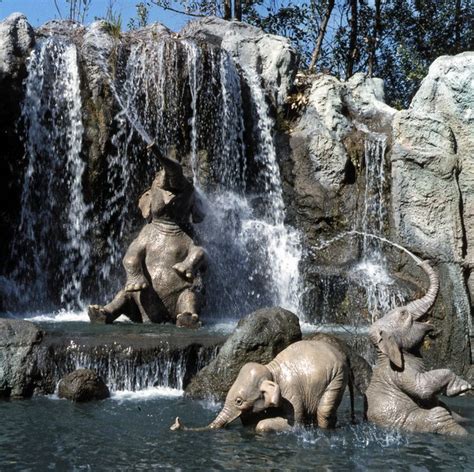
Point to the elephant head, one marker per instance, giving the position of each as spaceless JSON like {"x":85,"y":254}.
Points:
{"x":400,"y":329}
{"x":171,"y":195}
{"x":253,"y":391}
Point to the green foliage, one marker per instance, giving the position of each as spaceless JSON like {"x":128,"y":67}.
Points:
{"x":141,"y":19}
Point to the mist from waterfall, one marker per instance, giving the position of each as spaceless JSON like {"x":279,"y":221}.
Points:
{"x":51,"y":249}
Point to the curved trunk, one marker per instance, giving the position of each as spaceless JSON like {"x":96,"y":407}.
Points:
{"x":420,"y":307}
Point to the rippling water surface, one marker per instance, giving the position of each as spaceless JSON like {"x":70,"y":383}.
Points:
{"x":130,"y":432}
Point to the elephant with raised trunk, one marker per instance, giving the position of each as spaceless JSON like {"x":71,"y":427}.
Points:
{"x":162,"y":264}
{"x":402,"y":393}
{"x":303,"y":384}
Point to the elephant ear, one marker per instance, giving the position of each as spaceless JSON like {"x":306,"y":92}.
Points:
{"x":390,"y":348}
{"x":144,"y":203}
{"x":271,"y":393}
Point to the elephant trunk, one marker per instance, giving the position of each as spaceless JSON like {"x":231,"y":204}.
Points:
{"x":172,"y":168}
{"x":226,"y":416}
{"x":420,"y":307}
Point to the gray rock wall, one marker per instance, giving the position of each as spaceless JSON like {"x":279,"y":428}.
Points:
{"x":433,"y":194}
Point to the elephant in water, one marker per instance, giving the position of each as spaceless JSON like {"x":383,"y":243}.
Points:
{"x":402,"y":393}
{"x":162,"y":264}
{"x":303,"y":384}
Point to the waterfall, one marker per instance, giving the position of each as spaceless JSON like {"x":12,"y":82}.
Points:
{"x":372,"y":271}
{"x":253,"y":255}
{"x":125,"y":367}
{"x":184,"y":95}
{"x":51,"y":251}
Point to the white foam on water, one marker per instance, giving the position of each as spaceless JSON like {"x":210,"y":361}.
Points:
{"x":59,"y":316}
{"x":225,"y":327}
{"x":149,"y":393}
{"x":63,"y":316}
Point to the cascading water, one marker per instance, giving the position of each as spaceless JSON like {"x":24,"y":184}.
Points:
{"x":51,"y":252}
{"x":372,"y":272}
{"x":253,"y":255}
{"x":182,"y":95}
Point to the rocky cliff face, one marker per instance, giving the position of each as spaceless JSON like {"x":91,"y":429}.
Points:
{"x":218,"y":94}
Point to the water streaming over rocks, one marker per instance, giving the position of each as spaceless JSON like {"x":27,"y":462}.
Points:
{"x":372,"y":272}
{"x":125,"y":361}
{"x":190,"y":98}
{"x":51,"y":247}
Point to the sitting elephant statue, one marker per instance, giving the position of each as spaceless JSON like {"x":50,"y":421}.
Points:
{"x":303,"y":384}
{"x":402,"y":393}
{"x":162,"y":264}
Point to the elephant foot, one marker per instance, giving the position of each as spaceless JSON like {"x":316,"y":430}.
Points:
{"x":183,"y":271}
{"x":97,"y":314}
{"x":136,"y":284}
{"x":188,"y":320}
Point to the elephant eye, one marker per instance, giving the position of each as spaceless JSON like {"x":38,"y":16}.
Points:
{"x":238,"y":401}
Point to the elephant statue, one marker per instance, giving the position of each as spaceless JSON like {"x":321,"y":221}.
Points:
{"x":303,"y":384}
{"x":162,"y":264}
{"x":402,"y":393}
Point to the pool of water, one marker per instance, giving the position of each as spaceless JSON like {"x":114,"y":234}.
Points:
{"x":131,"y":432}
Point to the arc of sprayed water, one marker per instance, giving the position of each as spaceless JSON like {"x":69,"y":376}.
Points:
{"x":369,"y":235}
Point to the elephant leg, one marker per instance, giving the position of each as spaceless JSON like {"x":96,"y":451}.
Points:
{"x":194,"y":261}
{"x":133,"y":263}
{"x":329,"y":401}
{"x":187,"y":308}
{"x":269,"y":425}
{"x":434,"y":420}
{"x":122,"y":304}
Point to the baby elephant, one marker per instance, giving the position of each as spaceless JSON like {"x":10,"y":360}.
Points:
{"x":304,"y":384}
{"x":402,"y":392}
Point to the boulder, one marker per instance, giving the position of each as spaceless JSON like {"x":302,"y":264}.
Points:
{"x":16,"y":39}
{"x":83,"y":385}
{"x":18,"y":372}
{"x":259,"y":337}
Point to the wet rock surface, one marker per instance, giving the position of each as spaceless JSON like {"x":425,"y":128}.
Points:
{"x":34,"y":359}
{"x":259,"y":337}
{"x":19,"y":341}
{"x":82,"y":385}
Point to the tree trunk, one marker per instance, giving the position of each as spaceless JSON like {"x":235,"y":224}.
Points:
{"x":238,"y":10}
{"x":457,"y":27}
{"x":374,"y":40}
{"x":352,"y":39}
{"x":322,"y":33}
{"x":227,"y":10}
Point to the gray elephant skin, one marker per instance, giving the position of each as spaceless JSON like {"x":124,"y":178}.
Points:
{"x":303,"y":384}
{"x":402,"y":393}
{"x":162,"y":264}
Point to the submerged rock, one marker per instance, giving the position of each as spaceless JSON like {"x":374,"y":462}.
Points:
{"x":83,"y":385}
{"x":259,"y":337}
{"x":18,"y":373}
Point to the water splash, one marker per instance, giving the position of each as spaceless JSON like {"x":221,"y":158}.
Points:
{"x":51,"y":249}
